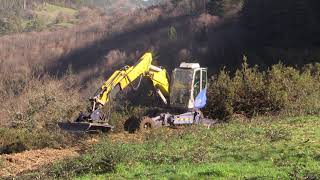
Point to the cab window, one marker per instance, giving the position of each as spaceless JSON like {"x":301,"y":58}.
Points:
{"x":180,"y":87}
{"x":197,"y":84}
{"x":204,"y":79}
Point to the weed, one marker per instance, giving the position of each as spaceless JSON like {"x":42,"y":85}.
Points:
{"x":317,"y":157}
{"x":297,"y":171}
{"x":278,"y":134}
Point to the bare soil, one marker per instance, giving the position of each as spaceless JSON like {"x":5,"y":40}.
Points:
{"x":15,"y":164}
{"x":12,"y":165}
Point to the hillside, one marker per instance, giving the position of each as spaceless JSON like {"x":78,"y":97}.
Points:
{"x":38,"y":15}
{"x":215,"y":39}
{"x":264,"y":88}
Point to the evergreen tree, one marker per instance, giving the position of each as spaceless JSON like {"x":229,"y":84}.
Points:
{"x":221,"y":7}
{"x":216,"y":7}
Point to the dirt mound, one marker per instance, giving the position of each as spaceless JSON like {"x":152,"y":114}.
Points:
{"x":14,"y":164}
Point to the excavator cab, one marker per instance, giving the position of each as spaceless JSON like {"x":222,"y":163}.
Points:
{"x":188,"y":86}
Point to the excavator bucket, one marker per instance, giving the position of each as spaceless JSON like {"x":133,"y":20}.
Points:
{"x":85,"y":127}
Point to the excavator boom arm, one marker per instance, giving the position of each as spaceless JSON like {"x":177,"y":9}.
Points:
{"x":125,"y":76}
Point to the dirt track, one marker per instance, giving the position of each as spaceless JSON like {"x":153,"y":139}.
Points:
{"x":15,"y":164}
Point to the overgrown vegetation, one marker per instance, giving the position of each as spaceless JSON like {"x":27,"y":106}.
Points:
{"x":241,"y":149}
{"x":31,"y":107}
{"x":278,"y":90}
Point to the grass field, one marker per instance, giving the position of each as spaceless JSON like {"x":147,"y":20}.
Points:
{"x":51,"y":15}
{"x":265,"y":148}
{"x":50,"y":12}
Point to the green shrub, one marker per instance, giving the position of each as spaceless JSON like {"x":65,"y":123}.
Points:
{"x":220,"y":95}
{"x":12,"y":84}
{"x":222,"y":7}
{"x":31,"y":109}
{"x":62,"y":17}
{"x":101,"y":159}
{"x":34,"y":25}
{"x":251,"y":92}
{"x":172,"y":34}
{"x":10,"y":24}
{"x":42,"y":103}
{"x":278,"y":134}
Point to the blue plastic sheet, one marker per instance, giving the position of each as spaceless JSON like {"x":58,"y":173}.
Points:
{"x":201,"y":99}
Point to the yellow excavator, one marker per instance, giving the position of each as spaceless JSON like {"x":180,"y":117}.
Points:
{"x":186,"y":93}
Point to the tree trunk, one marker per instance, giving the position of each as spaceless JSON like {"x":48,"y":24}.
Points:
{"x":24,"y":4}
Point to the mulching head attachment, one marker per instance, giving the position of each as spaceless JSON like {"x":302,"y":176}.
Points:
{"x":85,"y":127}
{"x":93,"y":122}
